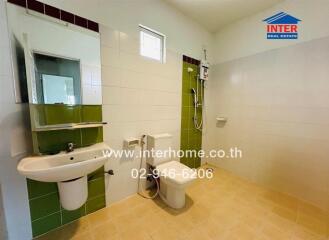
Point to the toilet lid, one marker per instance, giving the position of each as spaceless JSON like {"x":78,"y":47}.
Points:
{"x":177,"y":172}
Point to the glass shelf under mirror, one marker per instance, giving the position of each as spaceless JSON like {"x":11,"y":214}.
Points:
{"x":68,"y":126}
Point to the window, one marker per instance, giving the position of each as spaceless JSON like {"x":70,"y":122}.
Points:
{"x":152,"y":44}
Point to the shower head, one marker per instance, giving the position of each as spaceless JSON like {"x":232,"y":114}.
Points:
{"x":193,"y":91}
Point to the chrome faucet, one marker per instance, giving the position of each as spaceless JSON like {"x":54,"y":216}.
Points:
{"x":70,"y":147}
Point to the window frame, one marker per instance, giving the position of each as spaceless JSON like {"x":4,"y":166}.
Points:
{"x":162,"y":37}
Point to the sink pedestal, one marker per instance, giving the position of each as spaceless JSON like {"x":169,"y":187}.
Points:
{"x":73,"y":193}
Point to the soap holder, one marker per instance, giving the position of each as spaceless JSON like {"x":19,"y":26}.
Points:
{"x":221,"y":119}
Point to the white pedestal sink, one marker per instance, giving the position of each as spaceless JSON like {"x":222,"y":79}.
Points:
{"x":69,"y":170}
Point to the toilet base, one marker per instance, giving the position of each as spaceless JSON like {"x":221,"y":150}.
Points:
{"x":173,"y":197}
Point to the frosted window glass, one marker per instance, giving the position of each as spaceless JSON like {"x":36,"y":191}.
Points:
{"x":151,"y":44}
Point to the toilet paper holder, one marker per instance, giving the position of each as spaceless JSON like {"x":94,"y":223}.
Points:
{"x":131,"y":142}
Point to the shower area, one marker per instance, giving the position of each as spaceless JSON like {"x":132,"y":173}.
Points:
{"x":192,"y":110}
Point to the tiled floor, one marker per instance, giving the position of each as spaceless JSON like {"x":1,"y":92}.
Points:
{"x":225,"y":207}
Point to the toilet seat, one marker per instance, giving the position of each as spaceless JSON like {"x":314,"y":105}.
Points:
{"x":176,"y":173}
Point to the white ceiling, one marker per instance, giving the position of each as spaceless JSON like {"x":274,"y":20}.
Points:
{"x":214,"y":14}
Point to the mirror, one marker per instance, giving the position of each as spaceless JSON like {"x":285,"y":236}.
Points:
{"x":54,"y":62}
{"x":57,"y":80}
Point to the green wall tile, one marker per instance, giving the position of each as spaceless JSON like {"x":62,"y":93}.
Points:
{"x":91,"y":113}
{"x":96,"y":187}
{"x":185,"y":123}
{"x":46,"y":213}
{"x":58,"y":114}
{"x":190,"y":162}
{"x":191,"y":138}
{"x":197,"y":162}
{"x":46,"y":224}
{"x":90,"y":136}
{"x":44,"y":206}
{"x":97,"y":174}
{"x":184,"y":160}
{"x":96,"y":204}
{"x":69,"y":216}
{"x":184,"y":135}
{"x":55,"y":141}
{"x":37,"y":189}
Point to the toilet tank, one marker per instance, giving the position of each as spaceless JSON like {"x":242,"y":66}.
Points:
{"x":159,"y":142}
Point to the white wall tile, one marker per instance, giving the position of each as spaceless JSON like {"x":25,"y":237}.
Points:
{"x":110,"y":37}
{"x":111,"y":76}
{"x":278,"y":113}
{"x":129,"y":43}
{"x":140,"y":96}
{"x":110,"y":56}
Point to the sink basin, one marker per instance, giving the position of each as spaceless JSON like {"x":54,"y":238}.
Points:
{"x":69,"y":170}
{"x":64,"y":166}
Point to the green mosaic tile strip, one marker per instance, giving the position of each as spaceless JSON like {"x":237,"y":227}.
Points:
{"x":191,"y":138}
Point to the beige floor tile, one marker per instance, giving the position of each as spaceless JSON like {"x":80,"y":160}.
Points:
{"x":99,"y":217}
{"x":77,"y":228}
{"x":285,"y":225}
{"x":282,"y":200}
{"x":223,"y":208}
{"x":127,"y":222}
{"x":167,"y":233}
{"x":104,"y":231}
{"x":197,"y":234}
{"x":288,"y":214}
{"x":313,"y":212}
{"x":242,"y":232}
{"x":83,"y":236}
{"x":312,"y":224}
{"x":136,"y":235}
{"x":301,"y":233}
{"x":271,"y":231}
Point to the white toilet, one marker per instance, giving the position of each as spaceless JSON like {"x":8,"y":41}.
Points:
{"x":174,"y":176}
